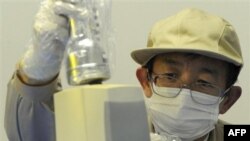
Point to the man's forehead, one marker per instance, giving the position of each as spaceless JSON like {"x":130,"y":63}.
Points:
{"x":187,"y":56}
{"x":180,"y":59}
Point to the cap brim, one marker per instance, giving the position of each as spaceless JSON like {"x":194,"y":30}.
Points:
{"x":142,"y":56}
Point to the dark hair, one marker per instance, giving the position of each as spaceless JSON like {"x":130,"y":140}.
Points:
{"x":149,"y":67}
{"x":232,"y":71}
{"x":232,"y":74}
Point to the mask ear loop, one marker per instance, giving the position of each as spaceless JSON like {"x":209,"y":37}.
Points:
{"x":225,"y":93}
{"x":148,"y":77}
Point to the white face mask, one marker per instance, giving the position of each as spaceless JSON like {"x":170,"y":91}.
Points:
{"x":181,"y":116}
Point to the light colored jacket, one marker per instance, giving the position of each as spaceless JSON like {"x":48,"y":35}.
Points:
{"x":218,"y":133}
{"x":29,"y":114}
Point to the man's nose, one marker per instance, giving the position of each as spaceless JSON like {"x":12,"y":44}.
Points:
{"x":187,"y":78}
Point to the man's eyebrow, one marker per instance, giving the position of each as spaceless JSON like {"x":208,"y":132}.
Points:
{"x":211,"y":71}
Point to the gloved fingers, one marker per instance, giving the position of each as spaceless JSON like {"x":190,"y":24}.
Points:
{"x":46,"y":38}
{"x":71,"y":10}
{"x":49,"y":26}
{"x":46,"y":14}
{"x":52,"y":16}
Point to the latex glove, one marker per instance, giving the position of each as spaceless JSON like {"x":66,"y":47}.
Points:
{"x":42,"y":61}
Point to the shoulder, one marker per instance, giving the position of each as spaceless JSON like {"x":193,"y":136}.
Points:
{"x":218,"y":133}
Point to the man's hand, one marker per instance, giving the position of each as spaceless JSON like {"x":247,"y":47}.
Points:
{"x":42,"y":61}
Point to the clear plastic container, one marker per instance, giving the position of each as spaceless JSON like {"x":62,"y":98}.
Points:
{"x":86,"y":64}
{"x":87,"y":59}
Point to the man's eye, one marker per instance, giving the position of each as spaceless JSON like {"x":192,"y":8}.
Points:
{"x":204,"y":83}
{"x":171,"y":75}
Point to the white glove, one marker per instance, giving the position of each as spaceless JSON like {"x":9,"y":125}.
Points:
{"x":42,"y":61}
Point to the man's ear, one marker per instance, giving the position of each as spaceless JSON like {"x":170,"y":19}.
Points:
{"x":141,"y":74}
{"x":231,"y":97}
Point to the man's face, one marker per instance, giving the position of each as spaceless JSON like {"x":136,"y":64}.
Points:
{"x":203,"y":75}
{"x":192,"y":68}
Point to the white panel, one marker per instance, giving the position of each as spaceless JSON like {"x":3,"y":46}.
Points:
{"x":101,"y":113}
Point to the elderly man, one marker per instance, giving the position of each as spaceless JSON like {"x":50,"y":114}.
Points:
{"x":188,"y":70}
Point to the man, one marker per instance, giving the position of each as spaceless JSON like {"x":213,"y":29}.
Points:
{"x":187,"y":74}
{"x":29,"y":107}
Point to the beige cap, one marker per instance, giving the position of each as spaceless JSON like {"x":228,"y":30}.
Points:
{"x":192,"y":31}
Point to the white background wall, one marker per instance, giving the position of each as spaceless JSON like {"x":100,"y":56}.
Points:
{"x":132,"y":20}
